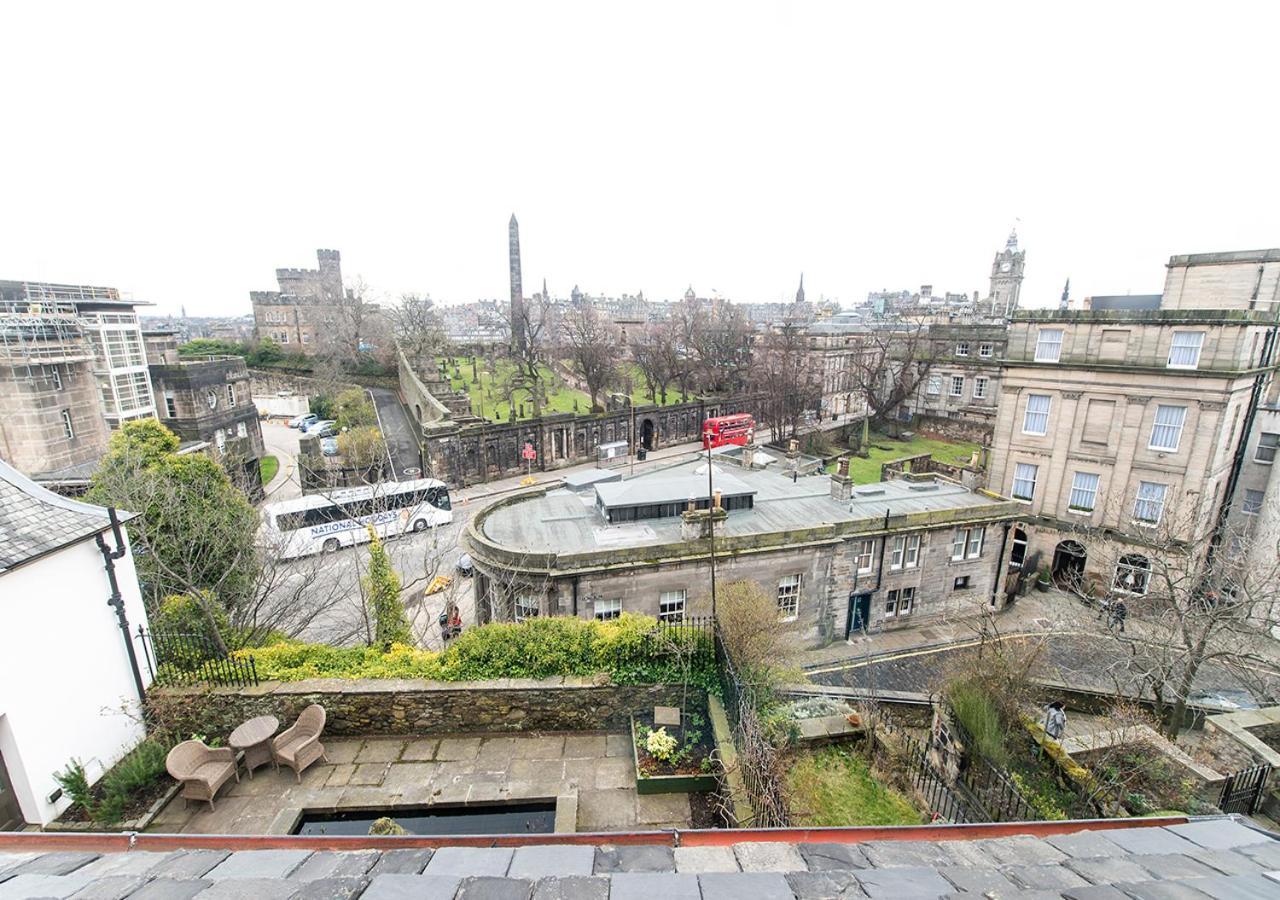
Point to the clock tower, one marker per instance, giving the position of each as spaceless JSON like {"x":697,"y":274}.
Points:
{"x":1006,"y":277}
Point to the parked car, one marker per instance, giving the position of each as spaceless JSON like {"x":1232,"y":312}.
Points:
{"x":329,"y":446}
{"x":316,"y":425}
{"x":303,"y":421}
{"x":325,"y":431}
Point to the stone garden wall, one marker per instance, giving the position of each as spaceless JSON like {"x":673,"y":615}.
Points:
{"x":412,"y":706}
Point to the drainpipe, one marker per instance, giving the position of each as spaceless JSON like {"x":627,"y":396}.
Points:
{"x":117,"y":601}
{"x":995,"y":590}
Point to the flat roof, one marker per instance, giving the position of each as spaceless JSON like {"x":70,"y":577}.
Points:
{"x":562,"y":522}
{"x":674,"y":487}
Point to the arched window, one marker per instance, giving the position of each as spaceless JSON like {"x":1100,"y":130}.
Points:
{"x":1133,"y":573}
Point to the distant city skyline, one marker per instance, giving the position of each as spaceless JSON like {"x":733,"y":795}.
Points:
{"x":748,"y":144}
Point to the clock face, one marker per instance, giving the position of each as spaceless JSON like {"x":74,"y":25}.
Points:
{"x":1005,"y":267}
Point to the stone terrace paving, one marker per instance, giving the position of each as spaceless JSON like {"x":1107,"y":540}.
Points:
{"x":364,"y":773}
{"x":1203,"y":858}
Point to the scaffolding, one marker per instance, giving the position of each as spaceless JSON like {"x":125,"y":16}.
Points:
{"x":41,"y":340}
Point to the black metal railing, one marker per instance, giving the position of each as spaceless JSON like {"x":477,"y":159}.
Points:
{"x":186,"y":660}
{"x":990,"y":786}
{"x":1243,"y":790}
{"x":760,"y":760}
{"x":943,"y":801}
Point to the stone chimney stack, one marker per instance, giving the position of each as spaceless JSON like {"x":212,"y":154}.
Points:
{"x":841,"y":483}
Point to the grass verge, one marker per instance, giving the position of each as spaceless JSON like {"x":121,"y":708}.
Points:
{"x":268,"y":466}
{"x":834,"y":786}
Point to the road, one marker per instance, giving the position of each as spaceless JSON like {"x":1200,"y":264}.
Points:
{"x":397,"y":430}
{"x":1084,"y":661}
{"x":281,"y":441}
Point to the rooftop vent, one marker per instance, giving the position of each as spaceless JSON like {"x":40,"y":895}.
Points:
{"x":870,"y":492}
{"x":922,"y":487}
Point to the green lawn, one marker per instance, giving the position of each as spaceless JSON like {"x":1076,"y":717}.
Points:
{"x":268,"y":466}
{"x":488,"y":399}
{"x":640,"y":396}
{"x":834,"y":786}
{"x":884,"y":448}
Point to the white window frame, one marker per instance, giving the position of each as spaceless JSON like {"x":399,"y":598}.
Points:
{"x":1082,"y":493}
{"x":957,"y":586}
{"x":906,"y":601}
{"x":171,"y":406}
{"x":891,"y":604}
{"x":1169,"y":428}
{"x":789,"y":597}
{"x":1250,"y":505}
{"x":57,"y":380}
{"x":986,"y":350}
{"x":1143,"y":506}
{"x":1031,"y":418}
{"x":962,"y":348}
{"x":959,"y":541}
{"x":525,"y":607}
{"x":606,"y":610}
{"x":231,"y":394}
{"x":671,"y":606}
{"x":980,"y":387}
{"x":68,"y":429}
{"x":906,"y":552}
{"x":241,"y":430}
{"x":1189,"y":350}
{"x":1271,"y":448}
{"x":934,"y":386}
{"x":957,"y":386}
{"x":211,"y":398}
{"x":864,"y":550}
{"x":977,"y":537}
{"x":1141,"y":585}
{"x":1019,"y":470}
{"x":1049,"y":350}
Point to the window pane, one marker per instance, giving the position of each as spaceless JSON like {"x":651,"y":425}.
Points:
{"x":1185,"y":350}
{"x":1084,"y":491}
{"x":958,"y":543}
{"x":1149,"y":504}
{"x":1267,"y":444}
{"x":1049,"y":345}
{"x":975,"y":542}
{"x":1024,"y":481}
{"x":1166,"y":433}
{"x":1253,"y":502}
{"x":789,"y":596}
{"x":671,"y":606}
{"x":1036,"y":419}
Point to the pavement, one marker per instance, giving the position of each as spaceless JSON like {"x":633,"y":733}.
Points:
{"x":1218,"y":857}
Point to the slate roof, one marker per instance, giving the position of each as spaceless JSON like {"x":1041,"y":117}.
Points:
{"x":34,"y":521}
{"x":1213,"y":857}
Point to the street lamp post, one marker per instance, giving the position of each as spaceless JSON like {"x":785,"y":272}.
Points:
{"x":711,"y":530}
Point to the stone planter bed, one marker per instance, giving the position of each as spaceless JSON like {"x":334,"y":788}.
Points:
{"x":694,"y":774}
{"x":146,"y":807}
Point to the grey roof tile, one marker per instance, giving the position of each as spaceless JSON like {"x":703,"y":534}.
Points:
{"x":696,"y":860}
{"x":886,"y":854}
{"x":1052,"y":877}
{"x":1095,"y":892}
{"x":335,"y":864}
{"x":652,"y":885}
{"x":551,"y":859}
{"x":1219,"y":834}
{"x":1163,"y":890}
{"x":1238,"y":887}
{"x":170,"y":889}
{"x":768,"y":856}
{"x":35,"y":521}
{"x":470,"y":861}
{"x":42,"y":885}
{"x":491,"y":887}
{"x":54,"y":864}
{"x":1086,"y":845}
{"x":339,"y":888}
{"x":267,"y":887}
{"x":258,"y":864}
{"x":1266,"y":855}
{"x":1174,"y":865}
{"x":833,"y":884}
{"x":1149,"y":840}
{"x":1021,"y":850}
{"x":108,"y":887}
{"x":188,"y":863}
{"x":1230,"y":862}
{"x":572,"y":887}
{"x":736,"y":885}
{"x":976,"y":880}
{"x":634,"y":859}
{"x":401,"y":862}
{"x":403,"y":886}
{"x":903,"y":882}
{"x":821,"y":857}
{"x":1108,"y":870}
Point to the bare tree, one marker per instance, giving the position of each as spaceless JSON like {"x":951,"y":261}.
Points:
{"x":655,"y":354}
{"x":529,"y":355}
{"x":781,"y":371}
{"x":1179,"y":607}
{"x":592,"y":348}
{"x":723,"y":347}
{"x":895,"y":358}
{"x":415,"y":324}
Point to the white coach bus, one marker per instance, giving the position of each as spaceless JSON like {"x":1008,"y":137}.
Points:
{"x":338,"y":518}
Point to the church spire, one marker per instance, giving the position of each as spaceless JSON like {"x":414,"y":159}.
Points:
{"x":545,"y":295}
{"x":1066,"y":294}
{"x":800,"y":292}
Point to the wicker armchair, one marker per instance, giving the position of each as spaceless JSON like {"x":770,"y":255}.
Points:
{"x":202,"y":770}
{"x":299,"y":746}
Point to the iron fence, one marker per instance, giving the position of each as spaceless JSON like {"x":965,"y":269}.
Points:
{"x":760,"y":761}
{"x":186,"y":660}
{"x":992,"y":788}
{"x":1243,"y":790}
{"x":943,"y":801}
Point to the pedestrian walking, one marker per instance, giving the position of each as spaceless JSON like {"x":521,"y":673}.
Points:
{"x":1119,"y":612}
{"x":1055,"y":722}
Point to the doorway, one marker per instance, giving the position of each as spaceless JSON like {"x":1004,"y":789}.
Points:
{"x":859,"y":614}
{"x":1068,"y":565}
{"x":646,"y":434}
{"x":10,"y":815}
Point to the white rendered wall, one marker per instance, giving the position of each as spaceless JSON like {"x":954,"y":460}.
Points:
{"x":64,"y":671}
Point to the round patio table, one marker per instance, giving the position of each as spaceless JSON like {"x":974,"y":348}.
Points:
{"x":254,"y":738}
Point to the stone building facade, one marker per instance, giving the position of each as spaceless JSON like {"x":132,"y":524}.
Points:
{"x":840,"y":558}
{"x":961,"y":391}
{"x":1122,"y":431}
{"x":209,"y":400}
{"x":300,"y":314}
{"x":73,"y":368}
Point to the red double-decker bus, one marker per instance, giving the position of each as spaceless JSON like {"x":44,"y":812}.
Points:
{"x":720,"y":430}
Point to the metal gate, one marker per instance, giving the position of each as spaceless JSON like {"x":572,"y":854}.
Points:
{"x":1242,"y":790}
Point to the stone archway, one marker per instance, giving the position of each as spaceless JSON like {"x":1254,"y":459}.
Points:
{"x":1068,"y":564}
{"x":648,"y":434}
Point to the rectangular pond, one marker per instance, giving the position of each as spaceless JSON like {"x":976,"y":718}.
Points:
{"x":507,"y":818}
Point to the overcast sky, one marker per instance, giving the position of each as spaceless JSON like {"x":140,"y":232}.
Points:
{"x":183,"y":152}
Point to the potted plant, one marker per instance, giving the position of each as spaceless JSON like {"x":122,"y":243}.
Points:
{"x":1046,"y":580}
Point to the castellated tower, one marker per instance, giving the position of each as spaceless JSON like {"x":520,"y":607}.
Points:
{"x":330,"y":272}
